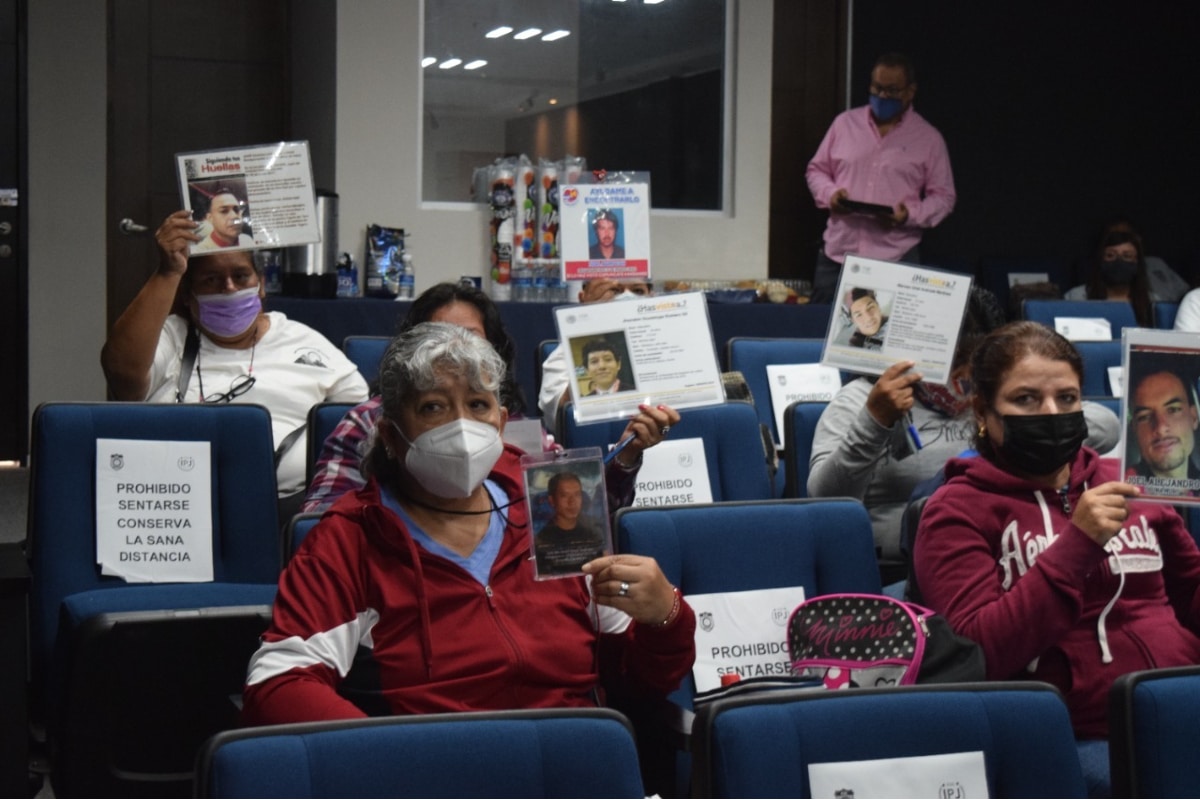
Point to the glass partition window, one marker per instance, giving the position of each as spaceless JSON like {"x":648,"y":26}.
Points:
{"x":626,"y":84}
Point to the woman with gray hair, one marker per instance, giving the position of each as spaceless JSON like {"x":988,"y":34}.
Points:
{"x":417,"y":594}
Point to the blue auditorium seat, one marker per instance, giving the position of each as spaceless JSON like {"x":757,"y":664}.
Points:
{"x":113,"y":734}
{"x":1153,"y":735}
{"x":763,"y":745}
{"x":799,"y":426}
{"x":1118,"y":312}
{"x":733,"y":445}
{"x":366,"y":352}
{"x":586,"y":752}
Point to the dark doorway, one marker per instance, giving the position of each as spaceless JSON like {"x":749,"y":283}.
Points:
{"x":183,"y":76}
{"x":14,"y":301}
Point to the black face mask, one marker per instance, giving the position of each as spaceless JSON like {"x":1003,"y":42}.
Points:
{"x":1038,"y":444}
{"x":1118,"y":272}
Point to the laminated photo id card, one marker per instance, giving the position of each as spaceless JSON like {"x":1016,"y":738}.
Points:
{"x":568,"y":510}
{"x":249,"y":197}
{"x":1159,"y":408}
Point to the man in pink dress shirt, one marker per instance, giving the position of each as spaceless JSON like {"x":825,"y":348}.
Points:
{"x":883,"y":153}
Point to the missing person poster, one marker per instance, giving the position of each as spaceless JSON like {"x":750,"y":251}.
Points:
{"x":568,"y":509}
{"x":1159,"y":408}
{"x":251,"y":197}
{"x":886,"y":312}
{"x":604,"y":231}
{"x":649,"y":350}
{"x":154,"y":510}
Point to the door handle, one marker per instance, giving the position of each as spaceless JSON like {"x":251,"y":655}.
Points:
{"x":131,"y":228}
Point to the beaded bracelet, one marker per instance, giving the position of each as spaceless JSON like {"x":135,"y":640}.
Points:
{"x":675,"y":606}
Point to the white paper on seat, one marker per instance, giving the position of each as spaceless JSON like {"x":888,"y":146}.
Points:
{"x":944,"y":775}
{"x":1015,"y":278}
{"x":792,"y":382}
{"x":673,"y":473}
{"x":742,"y":633}
{"x":1116,"y":381}
{"x":1084,"y":329}
{"x":154,"y":510}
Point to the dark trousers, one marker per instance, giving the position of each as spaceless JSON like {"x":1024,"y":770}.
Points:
{"x":825,"y":279}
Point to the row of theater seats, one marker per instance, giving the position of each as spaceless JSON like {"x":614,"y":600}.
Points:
{"x":751,"y":746}
{"x":133,"y":678}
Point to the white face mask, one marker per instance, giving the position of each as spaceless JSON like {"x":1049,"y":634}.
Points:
{"x":626,"y":296}
{"x":452,"y":460}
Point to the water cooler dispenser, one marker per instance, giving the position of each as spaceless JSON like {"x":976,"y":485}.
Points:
{"x":312,"y":269}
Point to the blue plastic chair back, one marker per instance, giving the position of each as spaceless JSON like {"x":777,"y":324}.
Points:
{"x":1164,"y":315}
{"x":322,"y":419}
{"x":1097,"y":358}
{"x":527,"y":754}
{"x":733,"y":445}
{"x":762,"y":745}
{"x":1153,"y":736}
{"x":62,"y":511}
{"x":366,"y":352}
{"x":825,"y":545}
{"x":799,"y":425}
{"x":1118,"y":312}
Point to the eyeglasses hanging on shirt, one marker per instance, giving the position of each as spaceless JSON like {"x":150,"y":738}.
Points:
{"x":238,"y":387}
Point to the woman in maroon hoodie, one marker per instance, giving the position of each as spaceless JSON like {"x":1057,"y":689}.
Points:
{"x":1037,"y":551}
{"x":416,"y":594}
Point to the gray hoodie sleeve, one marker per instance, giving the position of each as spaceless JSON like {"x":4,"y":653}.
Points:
{"x":847,"y":445}
{"x":1104,"y":429}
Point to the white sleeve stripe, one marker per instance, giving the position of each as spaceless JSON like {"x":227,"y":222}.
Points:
{"x":334,"y":649}
{"x":611,"y":620}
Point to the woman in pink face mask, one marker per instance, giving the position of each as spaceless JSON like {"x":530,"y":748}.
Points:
{"x":197,"y":332}
{"x":417,"y":594}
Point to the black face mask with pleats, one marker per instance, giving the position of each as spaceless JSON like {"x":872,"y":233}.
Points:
{"x":1038,"y":444}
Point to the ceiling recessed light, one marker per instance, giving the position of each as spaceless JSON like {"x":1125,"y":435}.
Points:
{"x":652,"y":2}
{"x":528,"y":33}
{"x":496,"y":33}
{"x":554,"y":36}
{"x":476,"y":64}
{"x":450,"y":63}
{"x":553,"y":101}
{"x":428,"y":61}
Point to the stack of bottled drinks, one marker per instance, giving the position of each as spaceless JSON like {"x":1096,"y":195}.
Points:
{"x":538,"y":280}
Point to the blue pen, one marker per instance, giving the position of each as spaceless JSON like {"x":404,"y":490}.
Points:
{"x":618,"y":448}
{"x":913,"y":436}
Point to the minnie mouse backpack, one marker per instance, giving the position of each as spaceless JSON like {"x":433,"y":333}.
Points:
{"x":864,"y":640}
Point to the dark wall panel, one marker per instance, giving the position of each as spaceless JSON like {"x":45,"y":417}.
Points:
{"x":1058,"y":116}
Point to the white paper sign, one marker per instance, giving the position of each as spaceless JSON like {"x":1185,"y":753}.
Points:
{"x":886,"y":312}
{"x":604,"y":230}
{"x":525,"y":434}
{"x":792,"y":382}
{"x":943,"y":775}
{"x":673,"y":473}
{"x":154,"y":510}
{"x":650,"y":350}
{"x":1084,"y":329}
{"x":742,"y":633}
{"x":1116,"y":381}
{"x":1015,"y":278}
{"x":250,"y":197}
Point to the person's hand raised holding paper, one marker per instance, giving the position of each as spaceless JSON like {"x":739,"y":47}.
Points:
{"x":892,"y":395}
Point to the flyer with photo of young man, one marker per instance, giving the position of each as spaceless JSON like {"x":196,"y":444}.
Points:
{"x":249,"y":198}
{"x":1159,"y":407}
{"x":885,"y":312}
